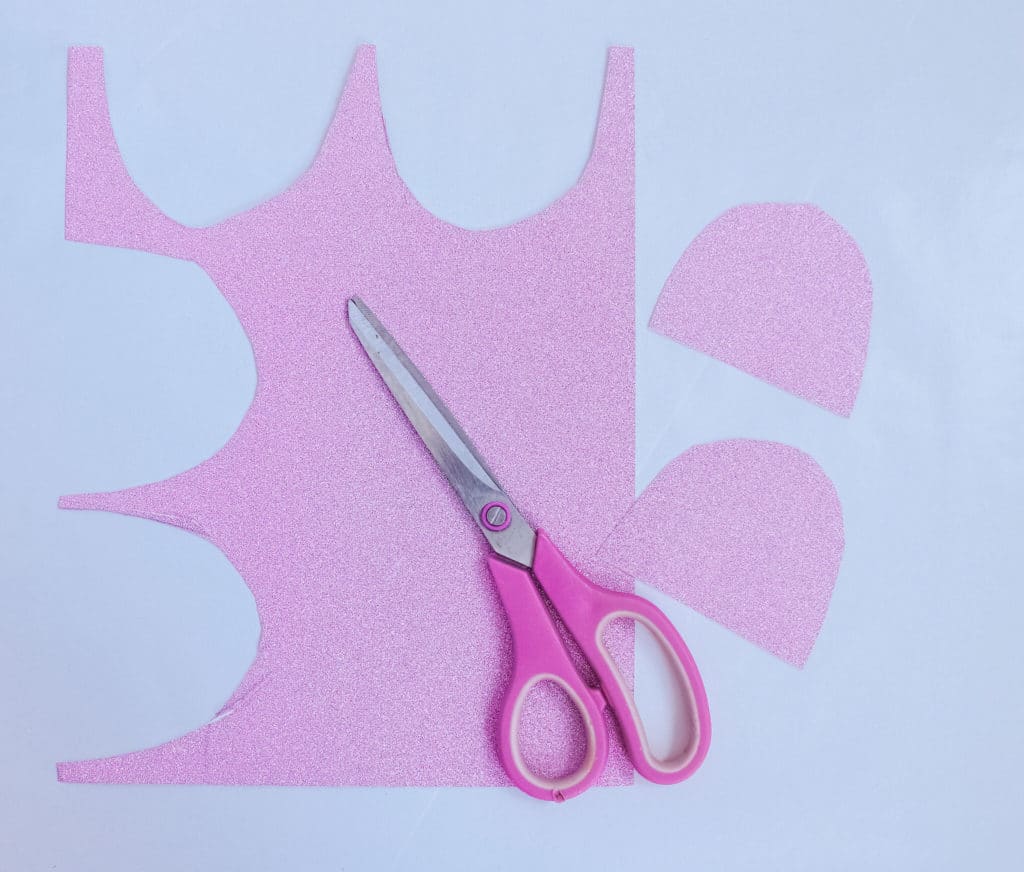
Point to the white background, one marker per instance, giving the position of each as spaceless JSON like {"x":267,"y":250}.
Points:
{"x":897,"y":747}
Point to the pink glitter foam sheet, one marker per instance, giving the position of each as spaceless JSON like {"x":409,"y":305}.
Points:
{"x":383,"y":651}
{"x":749,"y":533}
{"x":779,"y":290}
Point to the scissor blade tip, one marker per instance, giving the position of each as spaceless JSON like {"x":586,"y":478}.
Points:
{"x":359,"y":316}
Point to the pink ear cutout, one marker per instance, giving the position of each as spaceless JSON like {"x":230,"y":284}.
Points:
{"x":779,"y":290}
{"x":749,"y":533}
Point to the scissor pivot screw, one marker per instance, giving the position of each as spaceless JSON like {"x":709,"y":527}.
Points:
{"x":495,"y":516}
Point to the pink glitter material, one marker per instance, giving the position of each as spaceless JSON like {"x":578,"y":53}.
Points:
{"x":780,"y":291}
{"x":383,"y":649}
{"x":749,"y":533}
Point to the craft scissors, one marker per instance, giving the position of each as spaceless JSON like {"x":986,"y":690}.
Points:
{"x":525,"y":562}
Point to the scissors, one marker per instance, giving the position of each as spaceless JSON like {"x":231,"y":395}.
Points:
{"x":525,"y":562}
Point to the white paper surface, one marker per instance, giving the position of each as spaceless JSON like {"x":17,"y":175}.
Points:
{"x":897,"y":747}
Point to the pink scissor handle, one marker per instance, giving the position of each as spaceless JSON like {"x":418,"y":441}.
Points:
{"x":539,"y":655}
{"x":587,"y":609}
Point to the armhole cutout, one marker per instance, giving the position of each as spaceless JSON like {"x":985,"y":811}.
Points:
{"x":359,"y":119}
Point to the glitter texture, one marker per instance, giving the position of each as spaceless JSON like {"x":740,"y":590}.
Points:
{"x":383,"y":651}
{"x":749,"y":533}
{"x":780,"y":291}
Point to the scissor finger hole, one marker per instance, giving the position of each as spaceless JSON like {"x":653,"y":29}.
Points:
{"x":552,"y":734}
{"x":660,"y":693}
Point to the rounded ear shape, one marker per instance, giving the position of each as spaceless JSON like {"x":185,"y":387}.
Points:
{"x":749,"y":533}
{"x":780,"y":291}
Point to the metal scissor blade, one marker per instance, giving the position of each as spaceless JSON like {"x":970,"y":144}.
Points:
{"x":498,"y":519}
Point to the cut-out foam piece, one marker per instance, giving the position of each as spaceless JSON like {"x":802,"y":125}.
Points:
{"x":778,"y":290}
{"x":384,"y":651}
{"x":749,"y":533}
